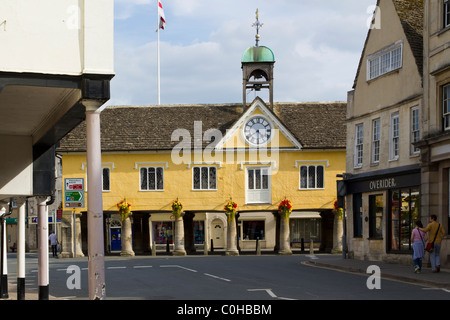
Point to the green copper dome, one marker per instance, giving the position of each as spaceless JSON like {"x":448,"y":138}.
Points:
{"x":258,"y":54}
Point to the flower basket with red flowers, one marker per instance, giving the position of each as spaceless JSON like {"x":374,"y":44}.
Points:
{"x":230,"y":210}
{"x":285,"y":208}
{"x":124,"y":209}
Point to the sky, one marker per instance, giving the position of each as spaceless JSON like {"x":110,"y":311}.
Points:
{"x":317,"y":47}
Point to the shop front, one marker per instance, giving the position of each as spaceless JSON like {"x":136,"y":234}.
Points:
{"x":382,"y":208}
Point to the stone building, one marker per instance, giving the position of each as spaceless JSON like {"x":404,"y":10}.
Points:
{"x":383,"y":124}
{"x":254,"y":154}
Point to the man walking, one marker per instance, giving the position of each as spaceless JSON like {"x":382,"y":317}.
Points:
{"x":436,"y":234}
{"x":53,"y":238}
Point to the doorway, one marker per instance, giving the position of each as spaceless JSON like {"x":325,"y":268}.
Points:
{"x":217,"y":234}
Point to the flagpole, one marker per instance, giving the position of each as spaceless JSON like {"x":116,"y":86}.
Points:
{"x":158,"y":62}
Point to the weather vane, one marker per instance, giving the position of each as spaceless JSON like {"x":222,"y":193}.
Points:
{"x":258,"y":25}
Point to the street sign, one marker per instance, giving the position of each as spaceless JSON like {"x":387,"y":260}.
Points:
{"x":74,"y":193}
{"x":74,"y":184}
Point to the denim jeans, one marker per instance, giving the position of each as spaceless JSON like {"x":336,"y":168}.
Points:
{"x":435,"y":258}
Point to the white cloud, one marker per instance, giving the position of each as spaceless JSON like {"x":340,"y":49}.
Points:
{"x":317,"y":46}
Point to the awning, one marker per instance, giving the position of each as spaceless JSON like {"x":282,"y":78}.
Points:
{"x":305,"y":215}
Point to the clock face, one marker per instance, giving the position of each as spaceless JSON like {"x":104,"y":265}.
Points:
{"x":257,"y":131}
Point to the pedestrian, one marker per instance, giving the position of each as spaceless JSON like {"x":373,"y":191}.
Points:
{"x":436,"y":234}
{"x":418,"y":239}
{"x":53,"y":239}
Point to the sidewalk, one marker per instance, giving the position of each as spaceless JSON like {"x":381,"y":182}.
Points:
{"x":391,"y":271}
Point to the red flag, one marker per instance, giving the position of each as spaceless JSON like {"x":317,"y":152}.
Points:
{"x":162,"y":18}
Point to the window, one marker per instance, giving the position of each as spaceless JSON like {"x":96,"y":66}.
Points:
{"x":204,"y":178}
{"x":415,"y":131}
{"x":152,"y":178}
{"x":306,"y":229}
{"x":395,"y":134}
{"x":359,"y":139}
{"x":384,"y":61}
{"x":446,"y":106}
{"x":258,"y":185}
{"x":404,"y":211}
{"x":376,"y":141}
{"x":446,"y":13}
{"x":311,"y":177}
{"x":253,"y":230}
{"x":163,"y":232}
{"x":106,"y":181}
{"x":376,"y":216}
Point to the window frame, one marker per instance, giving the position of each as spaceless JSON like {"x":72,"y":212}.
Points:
{"x":376,"y":140}
{"x":359,"y":147}
{"x":385,"y":61}
{"x":394,"y":140}
{"x":209,"y":188}
{"x":262,"y":190}
{"x":106,"y":169}
{"x":446,"y":105}
{"x":156,"y":178}
{"x":316,"y":174}
{"x":446,"y":14}
{"x":415,"y":129}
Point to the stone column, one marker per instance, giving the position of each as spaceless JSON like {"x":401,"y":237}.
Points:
{"x":96,"y":245}
{"x":179,"y":235}
{"x":21,"y":250}
{"x":78,"y":242}
{"x":127,"y":238}
{"x":285,"y":245}
{"x":231,"y":236}
{"x":43,"y":274}
{"x":338,"y":231}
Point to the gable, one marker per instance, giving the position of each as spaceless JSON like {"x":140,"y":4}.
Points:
{"x":242,"y":135}
{"x":392,"y":31}
{"x":394,"y":20}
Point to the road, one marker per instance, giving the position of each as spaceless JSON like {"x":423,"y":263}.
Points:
{"x":246,"y":277}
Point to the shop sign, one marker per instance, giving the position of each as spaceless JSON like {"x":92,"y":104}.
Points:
{"x":385,"y":183}
{"x":382,"y":184}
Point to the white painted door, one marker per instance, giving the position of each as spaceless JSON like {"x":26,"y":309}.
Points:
{"x":217,"y":233}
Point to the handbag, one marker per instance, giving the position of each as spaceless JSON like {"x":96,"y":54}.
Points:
{"x":430,"y":245}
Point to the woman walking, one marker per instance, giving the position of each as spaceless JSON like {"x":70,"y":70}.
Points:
{"x":437,"y":233}
{"x":418,"y":239}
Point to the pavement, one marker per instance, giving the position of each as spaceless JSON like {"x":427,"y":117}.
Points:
{"x":390,"y":271}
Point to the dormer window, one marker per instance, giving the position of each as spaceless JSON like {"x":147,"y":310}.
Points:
{"x":384,"y":61}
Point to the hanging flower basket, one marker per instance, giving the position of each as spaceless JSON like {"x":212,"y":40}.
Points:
{"x":124,"y":209}
{"x":177,"y":207}
{"x":285,"y":208}
{"x":339,"y":212}
{"x":230,"y":210}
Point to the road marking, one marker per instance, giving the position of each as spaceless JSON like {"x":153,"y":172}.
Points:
{"x":141,"y":267}
{"x":216,"y":277}
{"x":177,"y":266}
{"x":116,"y":268}
{"x":270,"y":293}
{"x":443,"y":289}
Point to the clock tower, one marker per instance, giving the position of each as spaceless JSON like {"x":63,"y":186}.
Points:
{"x":257,"y":67}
